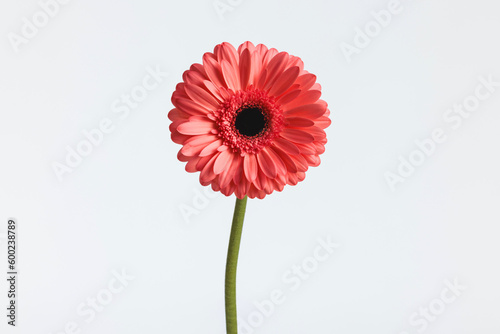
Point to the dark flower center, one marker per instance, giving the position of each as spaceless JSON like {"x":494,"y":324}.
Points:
{"x":250,"y":121}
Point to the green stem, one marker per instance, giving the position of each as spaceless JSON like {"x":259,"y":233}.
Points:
{"x":232,"y":263}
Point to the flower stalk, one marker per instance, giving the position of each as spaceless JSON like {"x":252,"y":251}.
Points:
{"x":231,"y":265}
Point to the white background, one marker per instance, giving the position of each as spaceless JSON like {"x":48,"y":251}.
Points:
{"x":121,"y":207}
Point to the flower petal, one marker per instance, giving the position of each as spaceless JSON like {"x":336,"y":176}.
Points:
{"x":207,"y":173}
{"x":257,"y":63}
{"x":202,"y":97}
{"x":241,"y":188}
{"x":228,"y":53}
{"x":193,"y":77}
{"x":286,"y":145}
{"x":296,"y":61}
{"x":244,"y":46}
{"x":191,"y":165}
{"x":230,"y":75}
{"x":297,"y":136}
{"x":290,"y":165}
{"x":269,"y":54}
{"x":311,"y":111}
{"x":306,"y":97}
{"x":214,"y":70}
{"x":189,"y":106}
{"x":290,"y":96}
{"x":317,"y":132}
{"x":313,"y":160}
{"x":298,"y":122}
{"x":196,"y":128}
{"x":211,"y":148}
{"x":320,"y":148}
{"x":227,"y":174}
{"x":266,"y":164}
{"x":195,"y":145}
{"x":261,"y":79}
{"x":285,"y":81}
{"x":275,"y":69}
{"x":278,"y":162}
{"x":250,"y":167}
{"x":306,"y":81}
{"x":198,"y":68}
{"x":213,"y":90}
{"x":175,"y":114}
{"x":307,"y":149}
{"x":300,"y":162}
{"x":177,"y":137}
{"x":245,"y":68}
{"x":223,"y":161}
{"x":323,"y":122}
{"x":238,"y":176}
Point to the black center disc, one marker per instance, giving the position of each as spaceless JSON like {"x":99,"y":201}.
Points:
{"x":250,"y":122}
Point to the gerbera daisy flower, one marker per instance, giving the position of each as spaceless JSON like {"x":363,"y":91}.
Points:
{"x":250,"y":120}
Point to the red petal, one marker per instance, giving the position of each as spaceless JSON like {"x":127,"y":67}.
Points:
{"x":244,"y":46}
{"x":191,"y":165}
{"x":320,"y":148}
{"x":213,"y":90}
{"x":290,"y":96}
{"x":202,"y":97}
{"x":178,"y":138}
{"x":323,"y":122}
{"x":240,"y":191}
{"x":199,"y":68}
{"x":286,"y":145}
{"x":262,"y":79}
{"x":298,"y":122}
{"x":196,"y":128}
{"x":275,"y":68}
{"x":250,"y":167}
{"x":313,"y":160}
{"x":245,"y":68}
{"x":223,"y":161}
{"x":195,"y":145}
{"x":308,"y":149}
{"x":257,"y":63}
{"x":297,"y":136}
{"x":230,"y":75}
{"x":228,"y":53}
{"x":311,"y":111}
{"x":300,"y":162}
{"x":193,"y":77}
{"x":213,"y":69}
{"x":210,"y":149}
{"x":280,"y":165}
{"x":266,"y":163}
{"x":317,"y":132}
{"x":189,"y":106}
{"x":306,"y":97}
{"x":227,"y":174}
{"x":207,"y":173}
{"x":316,"y":86}
{"x":290,"y":165}
{"x":175,"y":114}
{"x":306,"y":81}
{"x":296,"y":61}
{"x":238,"y":170}
{"x":285,"y":81}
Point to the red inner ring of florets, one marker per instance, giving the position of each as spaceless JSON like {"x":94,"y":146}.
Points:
{"x":249,"y":120}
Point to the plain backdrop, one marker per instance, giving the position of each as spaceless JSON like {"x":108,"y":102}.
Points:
{"x":130,"y":206}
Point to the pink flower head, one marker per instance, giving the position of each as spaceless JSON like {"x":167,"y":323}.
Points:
{"x":249,"y":120}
